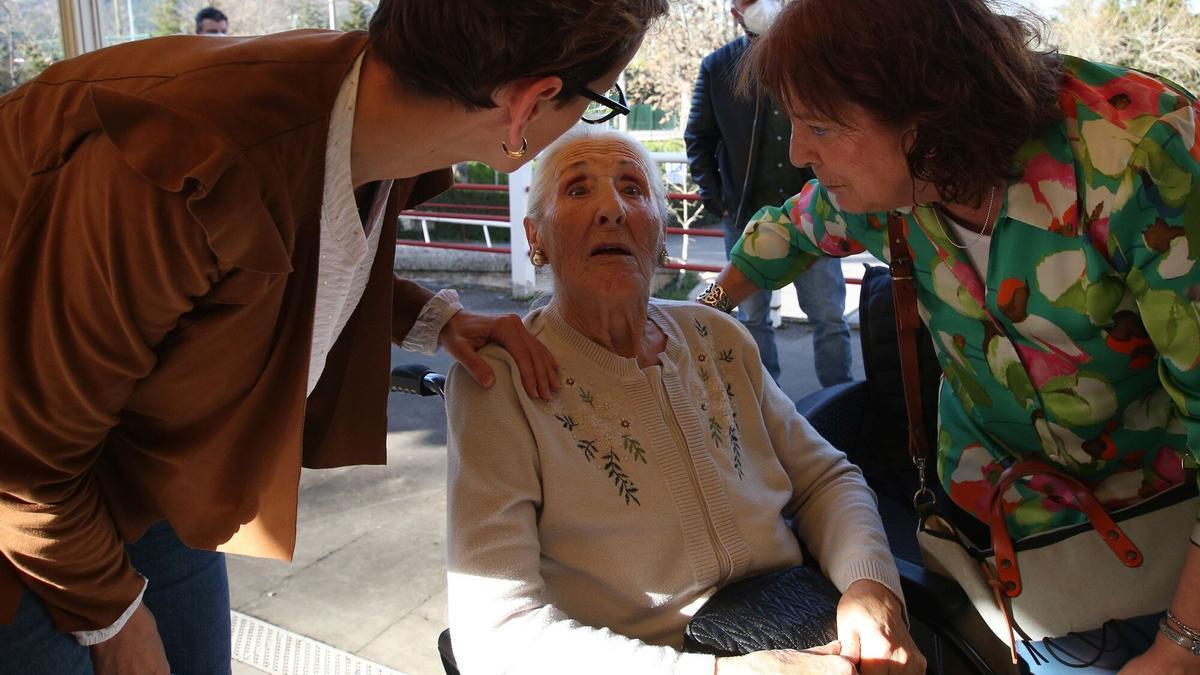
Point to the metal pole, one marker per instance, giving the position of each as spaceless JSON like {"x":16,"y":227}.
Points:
{"x":332,"y":14}
{"x":523,"y":280}
{"x":622,"y":121}
{"x":80,"y":22}
{"x":12,"y":46}
{"x":687,"y":222}
{"x":132,"y":30}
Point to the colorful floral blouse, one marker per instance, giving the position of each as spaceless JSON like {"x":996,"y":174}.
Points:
{"x":1081,"y":344}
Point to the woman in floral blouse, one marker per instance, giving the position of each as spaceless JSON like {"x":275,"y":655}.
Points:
{"x":1052,"y":208}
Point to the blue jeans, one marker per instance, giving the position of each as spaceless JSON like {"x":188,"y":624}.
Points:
{"x":188,"y":594}
{"x":821,"y":292}
{"x":1109,"y":647}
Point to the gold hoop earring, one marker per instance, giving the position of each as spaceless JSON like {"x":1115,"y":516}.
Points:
{"x":538,"y":258}
{"x":516,"y":154}
{"x":664,"y":259}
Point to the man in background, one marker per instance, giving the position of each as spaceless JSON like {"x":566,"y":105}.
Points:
{"x":737,"y":149}
{"x":211,"y":21}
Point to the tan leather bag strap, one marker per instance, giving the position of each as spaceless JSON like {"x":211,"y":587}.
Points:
{"x":908,"y":322}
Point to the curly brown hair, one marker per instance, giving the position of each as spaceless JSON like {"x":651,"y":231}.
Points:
{"x":969,"y":80}
{"x":465,"y":50}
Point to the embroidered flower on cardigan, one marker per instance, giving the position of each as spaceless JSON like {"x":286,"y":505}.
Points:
{"x":634,"y":448}
{"x":568,"y":423}
{"x":718,"y":392}
{"x":601,"y":434}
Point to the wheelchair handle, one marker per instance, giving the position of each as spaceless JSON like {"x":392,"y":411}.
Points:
{"x":417,"y":379}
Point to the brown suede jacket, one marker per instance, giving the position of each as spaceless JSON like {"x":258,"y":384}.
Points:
{"x":159,"y":221}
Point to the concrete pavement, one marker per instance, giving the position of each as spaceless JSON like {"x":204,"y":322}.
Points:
{"x":368,"y":575}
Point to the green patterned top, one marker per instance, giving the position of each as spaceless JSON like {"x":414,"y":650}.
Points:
{"x":1081,"y":343}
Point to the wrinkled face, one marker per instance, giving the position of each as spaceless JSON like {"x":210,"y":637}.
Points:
{"x":861,"y":163}
{"x":602,"y":230}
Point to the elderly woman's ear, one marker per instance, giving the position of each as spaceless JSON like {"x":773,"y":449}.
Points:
{"x":536,"y":249}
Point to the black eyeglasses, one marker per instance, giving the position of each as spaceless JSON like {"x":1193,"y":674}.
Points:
{"x":604,"y":107}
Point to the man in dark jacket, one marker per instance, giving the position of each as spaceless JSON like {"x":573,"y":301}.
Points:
{"x":738,"y":153}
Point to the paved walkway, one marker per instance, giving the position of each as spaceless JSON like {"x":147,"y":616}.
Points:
{"x":368,"y":574}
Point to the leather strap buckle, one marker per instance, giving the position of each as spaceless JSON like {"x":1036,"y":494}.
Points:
{"x":1006,"y":558}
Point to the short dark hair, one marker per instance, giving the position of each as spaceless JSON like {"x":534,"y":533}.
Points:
{"x":467,"y":49}
{"x":969,"y":80}
{"x":211,"y":13}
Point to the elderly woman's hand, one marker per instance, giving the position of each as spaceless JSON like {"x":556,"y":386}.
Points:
{"x":824,"y":659}
{"x":871,"y":628}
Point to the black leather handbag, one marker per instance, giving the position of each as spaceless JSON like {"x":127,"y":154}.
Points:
{"x":794,"y":608}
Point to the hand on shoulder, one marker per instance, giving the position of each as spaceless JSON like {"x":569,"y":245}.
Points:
{"x":467,"y":332}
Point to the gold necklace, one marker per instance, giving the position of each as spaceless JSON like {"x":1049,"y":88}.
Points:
{"x":985,"y":230}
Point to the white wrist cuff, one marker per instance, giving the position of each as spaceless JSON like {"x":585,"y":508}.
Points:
{"x":87,"y":638}
{"x":423,"y":336}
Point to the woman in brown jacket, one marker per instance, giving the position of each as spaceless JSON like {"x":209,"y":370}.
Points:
{"x":196,"y":293}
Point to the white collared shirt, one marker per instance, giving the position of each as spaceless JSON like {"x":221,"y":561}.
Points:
{"x":348,"y":245}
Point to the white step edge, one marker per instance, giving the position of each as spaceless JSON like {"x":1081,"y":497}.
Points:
{"x":272,"y":649}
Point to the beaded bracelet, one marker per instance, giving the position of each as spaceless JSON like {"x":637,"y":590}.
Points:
{"x":1183,"y":627}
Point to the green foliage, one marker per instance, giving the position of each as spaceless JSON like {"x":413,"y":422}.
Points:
{"x":644,"y":116}
{"x":679,"y":288}
{"x":167,"y":19}
{"x":459,"y":232}
{"x":29,"y":40}
{"x":664,"y":145}
{"x":358,"y":17}
{"x":309,"y":14}
{"x":664,"y":71}
{"x":478,"y":172}
{"x":467,"y":202}
{"x":1159,"y":36}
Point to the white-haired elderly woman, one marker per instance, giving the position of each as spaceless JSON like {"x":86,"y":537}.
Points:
{"x":585,"y":530}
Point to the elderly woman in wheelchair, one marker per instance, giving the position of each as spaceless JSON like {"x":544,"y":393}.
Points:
{"x":585,"y":531}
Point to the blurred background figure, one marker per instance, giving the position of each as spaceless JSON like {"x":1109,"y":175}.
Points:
{"x":211,"y":21}
{"x":737,"y":149}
